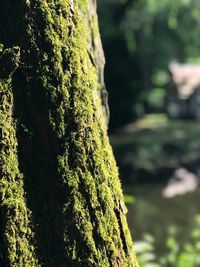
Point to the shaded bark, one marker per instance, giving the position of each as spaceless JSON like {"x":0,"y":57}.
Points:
{"x":61,"y":202}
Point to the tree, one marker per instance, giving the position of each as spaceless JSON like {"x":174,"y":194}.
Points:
{"x":61,"y":202}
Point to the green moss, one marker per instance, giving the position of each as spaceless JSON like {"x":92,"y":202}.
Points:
{"x":89,"y":212}
{"x":16,"y":229}
{"x":92,"y":177}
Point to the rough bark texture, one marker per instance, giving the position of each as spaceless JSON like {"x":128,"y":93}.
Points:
{"x":61,"y":202}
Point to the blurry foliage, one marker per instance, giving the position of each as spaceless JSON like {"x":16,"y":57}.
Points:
{"x":145,"y":252}
{"x":176,"y":254}
{"x":129,"y":199}
{"x":156,"y":98}
{"x":140,"y":38}
{"x":154,"y":144}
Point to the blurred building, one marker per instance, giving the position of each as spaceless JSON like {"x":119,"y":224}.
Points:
{"x":183,"y":91}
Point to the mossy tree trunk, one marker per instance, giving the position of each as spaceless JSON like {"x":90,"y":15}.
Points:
{"x":61,"y":202}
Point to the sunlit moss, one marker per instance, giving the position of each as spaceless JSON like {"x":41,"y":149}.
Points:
{"x":93,"y":219}
{"x":17,"y":231}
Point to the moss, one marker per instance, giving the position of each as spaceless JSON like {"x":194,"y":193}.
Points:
{"x":74,"y":193}
{"x":17,"y":233}
{"x":92,"y":170}
{"x":9,"y":61}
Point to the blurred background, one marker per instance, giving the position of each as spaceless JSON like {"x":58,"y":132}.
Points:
{"x":152,"y":74}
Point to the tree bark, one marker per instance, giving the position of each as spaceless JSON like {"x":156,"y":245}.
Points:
{"x":61,"y":202}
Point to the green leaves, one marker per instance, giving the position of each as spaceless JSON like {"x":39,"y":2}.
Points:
{"x":176,"y":254}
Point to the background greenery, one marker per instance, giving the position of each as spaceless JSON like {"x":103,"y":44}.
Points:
{"x":140,"y":38}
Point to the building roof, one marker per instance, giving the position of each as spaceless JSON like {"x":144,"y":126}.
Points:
{"x":186,"y":77}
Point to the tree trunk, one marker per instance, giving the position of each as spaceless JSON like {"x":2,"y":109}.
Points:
{"x":61,"y":202}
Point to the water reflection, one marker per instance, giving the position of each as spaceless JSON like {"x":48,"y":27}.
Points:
{"x":159,"y":161}
{"x":154,"y":214}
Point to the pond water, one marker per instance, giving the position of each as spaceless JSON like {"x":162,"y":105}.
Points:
{"x":148,"y":153}
{"x":154,"y":214}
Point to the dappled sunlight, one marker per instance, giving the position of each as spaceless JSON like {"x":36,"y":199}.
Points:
{"x":151,"y":121}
